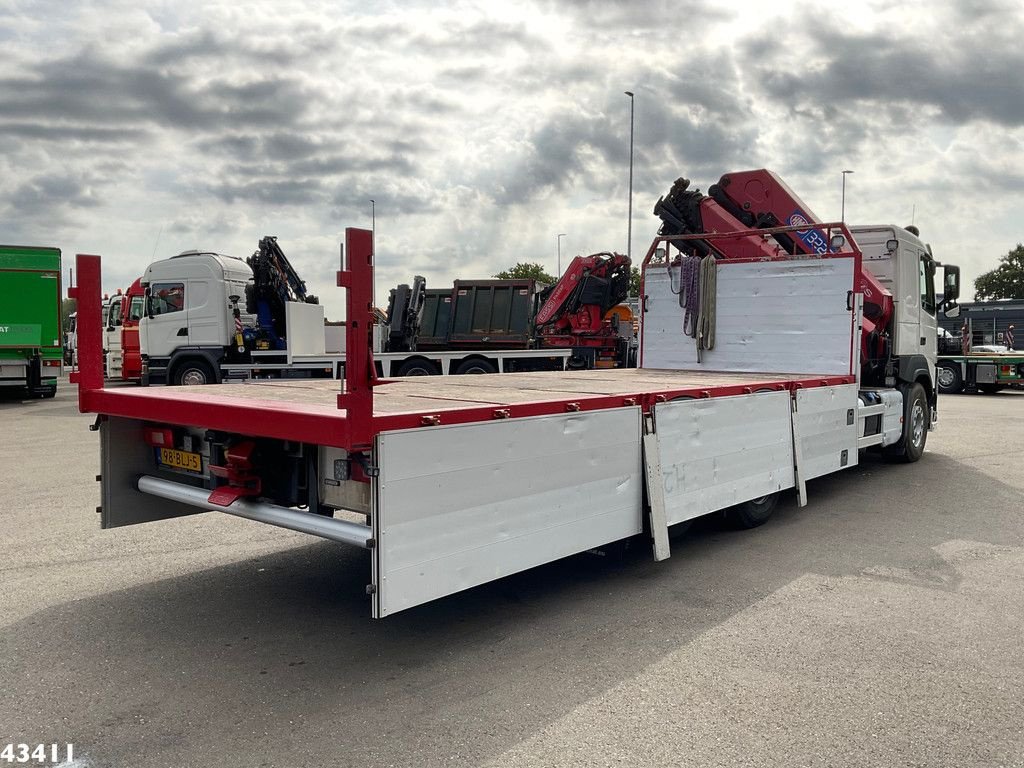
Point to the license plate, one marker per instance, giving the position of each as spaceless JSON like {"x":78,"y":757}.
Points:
{"x":175,"y":459}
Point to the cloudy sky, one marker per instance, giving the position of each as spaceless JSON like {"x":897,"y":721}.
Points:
{"x":483,"y":129}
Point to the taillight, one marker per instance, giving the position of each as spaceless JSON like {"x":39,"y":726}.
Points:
{"x":51,"y":363}
{"x":159,"y":437}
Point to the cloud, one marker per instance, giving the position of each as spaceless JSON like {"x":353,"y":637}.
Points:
{"x":681,"y":15}
{"x":897,"y":72}
{"x":482,"y":131}
{"x":55,"y":195}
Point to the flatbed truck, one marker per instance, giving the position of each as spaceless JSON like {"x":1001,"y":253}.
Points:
{"x":453,"y":482}
{"x":31,"y":333}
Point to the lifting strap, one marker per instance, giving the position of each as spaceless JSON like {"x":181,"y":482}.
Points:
{"x":706,"y":315}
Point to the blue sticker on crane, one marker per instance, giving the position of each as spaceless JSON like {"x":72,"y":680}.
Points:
{"x":813,"y":238}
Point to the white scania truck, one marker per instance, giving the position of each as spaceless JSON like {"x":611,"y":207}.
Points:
{"x":211,"y":318}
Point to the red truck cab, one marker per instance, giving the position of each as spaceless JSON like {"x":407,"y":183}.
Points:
{"x":133,"y":307}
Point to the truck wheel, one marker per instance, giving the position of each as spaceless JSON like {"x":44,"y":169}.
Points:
{"x":51,"y":392}
{"x":751,"y":514}
{"x":476,"y":365}
{"x":990,"y":389}
{"x":417,"y":368}
{"x":193,"y":373}
{"x":915,"y":426}
{"x":949,"y":378}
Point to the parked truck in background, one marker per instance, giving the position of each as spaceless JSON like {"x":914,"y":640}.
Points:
{"x":966,"y":367}
{"x":112,"y":335}
{"x":772,"y":352}
{"x":31,"y":330}
{"x":122,"y":351}
{"x":487,"y":326}
{"x":71,"y":341}
{"x":210,"y":317}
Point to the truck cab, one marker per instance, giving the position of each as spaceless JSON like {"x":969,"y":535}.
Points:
{"x":132,"y":309}
{"x":904,"y":265}
{"x":188,"y":322}
{"x":112,"y":336}
{"x":71,"y":341}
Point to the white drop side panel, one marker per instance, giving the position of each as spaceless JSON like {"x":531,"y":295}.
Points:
{"x":825,"y":425}
{"x":334,"y":339}
{"x":462,"y":505}
{"x":722,"y":451}
{"x":305,"y":327}
{"x":785,"y":316}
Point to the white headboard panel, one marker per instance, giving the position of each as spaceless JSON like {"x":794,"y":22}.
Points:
{"x":783,"y":316}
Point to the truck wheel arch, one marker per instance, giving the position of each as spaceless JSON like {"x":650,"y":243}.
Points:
{"x":209,"y":359}
{"x":475,"y":364}
{"x":954,"y":377}
{"x":910,"y":446}
{"x":913,"y":369}
{"x":417,"y":366}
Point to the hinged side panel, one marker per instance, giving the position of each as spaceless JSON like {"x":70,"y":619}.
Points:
{"x":463,"y":505}
{"x":722,"y":451}
{"x":825,"y":424}
{"x":786,"y":316}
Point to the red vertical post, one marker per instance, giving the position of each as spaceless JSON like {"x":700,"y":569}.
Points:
{"x":89,"y":332}
{"x":360,"y":375}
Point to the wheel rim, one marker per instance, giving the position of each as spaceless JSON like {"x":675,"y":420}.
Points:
{"x":759,"y":501}
{"x":193,"y":377}
{"x":945,"y":377}
{"x":418,"y":372}
{"x":917,"y":424}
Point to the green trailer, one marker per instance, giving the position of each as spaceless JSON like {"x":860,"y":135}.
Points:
{"x":979,"y":372}
{"x":31,"y":350}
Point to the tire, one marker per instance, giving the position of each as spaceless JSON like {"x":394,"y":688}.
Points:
{"x":751,"y":514}
{"x":949,"y":379}
{"x":193,"y":373}
{"x":50,"y":393}
{"x":990,"y":389}
{"x":915,"y":426}
{"x":475,"y":365}
{"x":417,"y":368}
{"x":679,"y":530}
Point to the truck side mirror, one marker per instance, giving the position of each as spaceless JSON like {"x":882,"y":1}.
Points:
{"x":950,"y":283}
{"x":149,"y":305}
{"x":950,"y":290}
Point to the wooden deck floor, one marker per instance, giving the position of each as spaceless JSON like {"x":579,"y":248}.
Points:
{"x":420,"y":393}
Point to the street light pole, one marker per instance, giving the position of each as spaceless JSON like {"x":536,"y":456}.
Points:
{"x":373,"y":245}
{"x":842,"y":214}
{"x":559,"y":241}
{"x":629,"y":226}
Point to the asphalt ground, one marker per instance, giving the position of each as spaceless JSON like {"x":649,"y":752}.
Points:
{"x":881,"y":625}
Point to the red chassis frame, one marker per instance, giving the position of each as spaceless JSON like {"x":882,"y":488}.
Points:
{"x":353,"y":425}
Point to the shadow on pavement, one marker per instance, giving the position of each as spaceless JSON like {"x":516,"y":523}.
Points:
{"x":275,"y":661}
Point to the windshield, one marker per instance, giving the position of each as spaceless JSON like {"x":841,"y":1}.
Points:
{"x":137,"y":307}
